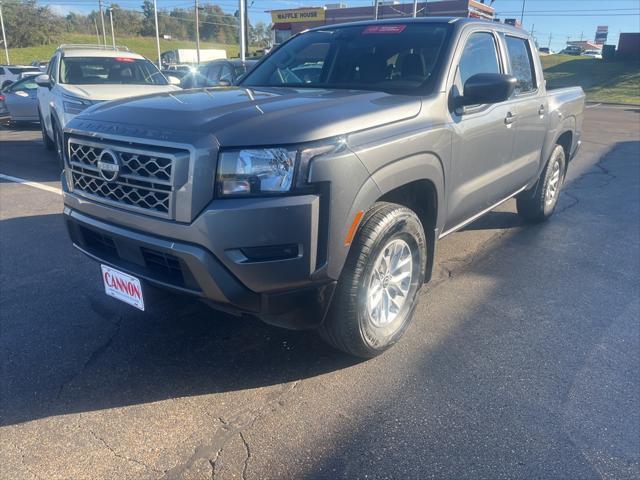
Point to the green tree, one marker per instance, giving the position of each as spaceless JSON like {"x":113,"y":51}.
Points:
{"x":28,"y":24}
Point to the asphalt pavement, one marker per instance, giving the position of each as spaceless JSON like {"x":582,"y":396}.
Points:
{"x":522,"y":361}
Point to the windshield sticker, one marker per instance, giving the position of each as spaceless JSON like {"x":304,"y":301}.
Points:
{"x":383,"y":29}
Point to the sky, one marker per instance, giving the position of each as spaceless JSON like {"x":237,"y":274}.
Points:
{"x":560,"y":19}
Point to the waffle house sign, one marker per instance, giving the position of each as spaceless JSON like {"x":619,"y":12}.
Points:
{"x":298,"y":15}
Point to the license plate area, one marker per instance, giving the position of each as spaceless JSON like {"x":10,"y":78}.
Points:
{"x":122,"y":286}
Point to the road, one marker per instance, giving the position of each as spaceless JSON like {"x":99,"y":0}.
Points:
{"x":522,"y":360}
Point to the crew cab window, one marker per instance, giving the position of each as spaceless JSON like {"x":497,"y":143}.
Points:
{"x":479,"y":56}
{"x":521,"y":64}
{"x":385,"y":57}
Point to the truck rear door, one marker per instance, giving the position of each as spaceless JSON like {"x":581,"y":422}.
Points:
{"x":530,"y":110}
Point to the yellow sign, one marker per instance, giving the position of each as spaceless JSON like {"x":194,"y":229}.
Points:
{"x":298,"y":15}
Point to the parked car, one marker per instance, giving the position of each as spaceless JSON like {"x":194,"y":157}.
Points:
{"x":20,"y":99}
{"x":12,"y":73}
{"x":545,"y":51}
{"x":41,"y":64}
{"x":592,"y":54}
{"x":572,"y":50}
{"x":80,"y":76}
{"x":179,"y":74}
{"x":319,"y":204}
{"x":217,"y":72}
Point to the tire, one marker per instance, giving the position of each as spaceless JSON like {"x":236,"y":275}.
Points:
{"x":58,"y":143}
{"x":352,"y":324}
{"x":48,"y":143}
{"x":538,"y":205}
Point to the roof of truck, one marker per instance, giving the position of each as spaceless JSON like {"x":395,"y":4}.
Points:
{"x":459,"y":21}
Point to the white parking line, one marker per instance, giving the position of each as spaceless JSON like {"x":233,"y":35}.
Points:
{"x":23,"y":181}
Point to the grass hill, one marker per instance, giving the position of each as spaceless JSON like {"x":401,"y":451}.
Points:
{"x":603,"y":81}
{"x":143,"y":45}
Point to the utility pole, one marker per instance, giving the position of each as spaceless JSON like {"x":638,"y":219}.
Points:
{"x":550,"y":37}
{"x":113,"y":35}
{"x":243,"y":32}
{"x":4,"y":36}
{"x":375,"y":10}
{"x":197,"y":31}
{"x":95,"y":24}
{"x":533,"y":29}
{"x":155,"y":14}
{"x":104,"y":32}
{"x":522,"y":14}
{"x":415,"y":8}
{"x":581,"y":36}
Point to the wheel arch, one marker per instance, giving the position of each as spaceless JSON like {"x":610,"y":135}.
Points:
{"x":417,"y":182}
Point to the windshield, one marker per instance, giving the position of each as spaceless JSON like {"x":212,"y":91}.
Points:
{"x":370,"y":57}
{"x":109,"y":71}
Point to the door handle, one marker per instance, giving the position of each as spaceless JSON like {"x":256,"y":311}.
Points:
{"x":541,"y":110}
{"x":509,"y":119}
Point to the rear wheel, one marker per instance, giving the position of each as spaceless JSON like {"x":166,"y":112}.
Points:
{"x":377,"y":291}
{"x":539,"y":205}
{"x":48,"y":143}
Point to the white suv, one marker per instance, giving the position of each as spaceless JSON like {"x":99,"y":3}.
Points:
{"x":79,"y":76}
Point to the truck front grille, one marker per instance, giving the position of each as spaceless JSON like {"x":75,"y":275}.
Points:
{"x":145,"y":180}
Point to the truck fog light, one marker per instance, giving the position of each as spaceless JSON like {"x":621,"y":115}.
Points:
{"x":236,"y":187}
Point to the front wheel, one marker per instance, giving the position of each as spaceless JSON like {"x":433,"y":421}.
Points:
{"x":48,"y":143}
{"x":539,"y":205}
{"x":59,"y":144}
{"x":377,"y":291}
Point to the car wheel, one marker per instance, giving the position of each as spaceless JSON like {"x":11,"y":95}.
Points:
{"x":59,"y":145}
{"x":377,"y":291}
{"x":48,"y":143}
{"x":538,"y":205}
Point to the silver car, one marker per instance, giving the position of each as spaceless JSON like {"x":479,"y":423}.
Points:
{"x":21,"y":101}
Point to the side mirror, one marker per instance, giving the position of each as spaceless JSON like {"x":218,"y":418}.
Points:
{"x":43,"y":81}
{"x":485,"y":88}
{"x":173,"y":80}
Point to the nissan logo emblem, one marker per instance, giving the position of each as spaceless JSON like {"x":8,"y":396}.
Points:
{"x":109,"y":165}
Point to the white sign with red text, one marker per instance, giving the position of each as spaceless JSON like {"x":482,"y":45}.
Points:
{"x":122,"y":286}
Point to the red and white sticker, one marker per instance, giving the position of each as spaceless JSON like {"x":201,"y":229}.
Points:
{"x":122,"y":286}
{"x":383,"y":29}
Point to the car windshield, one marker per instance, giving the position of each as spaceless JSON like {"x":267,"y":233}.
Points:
{"x":369,"y":57}
{"x":109,"y":71}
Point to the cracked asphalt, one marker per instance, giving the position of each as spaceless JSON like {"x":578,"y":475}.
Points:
{"x":522,"y":360}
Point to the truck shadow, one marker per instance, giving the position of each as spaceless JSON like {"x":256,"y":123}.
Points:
{"x":69,"y":348}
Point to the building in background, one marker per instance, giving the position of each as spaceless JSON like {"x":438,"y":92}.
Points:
{"x":289,"y":22}
{"x":584,"y":45}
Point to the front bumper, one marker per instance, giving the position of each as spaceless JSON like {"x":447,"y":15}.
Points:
{"x":208,"y":259}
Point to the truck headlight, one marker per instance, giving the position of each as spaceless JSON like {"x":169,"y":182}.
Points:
{"x":74,"y":105}
{"x":266,"y":171}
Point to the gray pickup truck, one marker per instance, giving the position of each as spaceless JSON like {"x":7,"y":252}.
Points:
{"x":312,"y":195}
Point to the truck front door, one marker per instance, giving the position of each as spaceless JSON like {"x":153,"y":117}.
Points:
{"x":483,"y":135}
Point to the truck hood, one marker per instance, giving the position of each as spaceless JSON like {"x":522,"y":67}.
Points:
{"x":241,"y":116}
{"x":101,"y":93}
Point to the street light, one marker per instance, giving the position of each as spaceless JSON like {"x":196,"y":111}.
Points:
{"x":4,"y":36}
{"x":155,"y":14}
{"x":113,"y":35}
